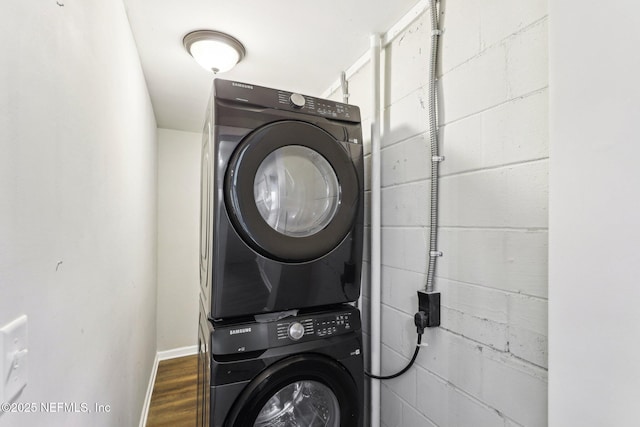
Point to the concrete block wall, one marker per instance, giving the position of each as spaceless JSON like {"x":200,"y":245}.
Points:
{"x":487,"y":364}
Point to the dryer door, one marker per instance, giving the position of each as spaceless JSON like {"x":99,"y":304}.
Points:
{"x":304,"y":390}
{"x":291,"y":191}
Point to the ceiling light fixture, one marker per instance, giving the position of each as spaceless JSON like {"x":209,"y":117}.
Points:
{"x":213,"y":50}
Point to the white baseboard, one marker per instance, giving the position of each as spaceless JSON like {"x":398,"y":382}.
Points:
{"x":162,"y":355}
{"x":147,"y":398}
{"x":177,"y":352}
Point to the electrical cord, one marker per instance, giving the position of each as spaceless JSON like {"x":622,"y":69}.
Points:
{"x":405,"y":369}
{"x":421,"y":321}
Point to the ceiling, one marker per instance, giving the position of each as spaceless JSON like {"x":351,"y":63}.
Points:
{"x":296,"y":45}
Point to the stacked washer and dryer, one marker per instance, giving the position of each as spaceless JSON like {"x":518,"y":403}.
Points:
{"x":282,"y":214}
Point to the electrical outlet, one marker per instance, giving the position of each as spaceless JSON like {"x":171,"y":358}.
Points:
{"x":429,"y":303}
{"x":13,"y":358}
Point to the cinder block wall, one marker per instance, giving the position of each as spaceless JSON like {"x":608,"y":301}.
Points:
{"x":487,"y":364}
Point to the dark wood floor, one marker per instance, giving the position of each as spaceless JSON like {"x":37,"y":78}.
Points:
{"x":173,"y":402}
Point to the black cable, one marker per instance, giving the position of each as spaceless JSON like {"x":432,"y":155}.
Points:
{"x":405,"y":369}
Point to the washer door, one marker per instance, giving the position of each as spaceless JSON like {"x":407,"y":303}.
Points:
{"x":291,"y":191}
{"x":304,"y":390}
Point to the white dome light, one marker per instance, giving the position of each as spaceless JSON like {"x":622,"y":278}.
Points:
{"x":213,"y":50}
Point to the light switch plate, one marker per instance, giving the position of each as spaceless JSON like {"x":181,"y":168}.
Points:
{"x":13,"y":358}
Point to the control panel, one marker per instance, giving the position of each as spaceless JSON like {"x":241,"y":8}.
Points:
{"x":253,"y":336}
{"x":283,"y":100}
{"x":315,"y":327}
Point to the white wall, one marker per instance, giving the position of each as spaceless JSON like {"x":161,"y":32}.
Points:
{"x":77,"y":208}
{"x":178,"y":233}
{"x":486,"y":365}
{"x":594,"y":257}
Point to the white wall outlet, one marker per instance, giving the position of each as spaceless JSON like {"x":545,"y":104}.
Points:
{"x":13,"y":358}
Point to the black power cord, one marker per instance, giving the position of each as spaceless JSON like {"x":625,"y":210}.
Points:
{"x":405,"y":369}
{"x":421,"y":320}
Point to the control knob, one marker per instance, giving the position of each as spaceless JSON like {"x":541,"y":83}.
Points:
{"x":296,"y":330}
{"x":297,"y":100}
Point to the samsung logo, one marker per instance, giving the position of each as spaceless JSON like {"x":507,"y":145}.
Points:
{"x":242,"y":85}
{"x":239,"y":331}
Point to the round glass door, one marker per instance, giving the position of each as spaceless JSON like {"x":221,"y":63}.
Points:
{"x":303,"y":403}
{"x":304,"y":390}
{"x":291,"y":191}
{"x":296,"y":191}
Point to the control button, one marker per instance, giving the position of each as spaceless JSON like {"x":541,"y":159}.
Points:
{"x":296,"y":331}
{"x":297,"y":100}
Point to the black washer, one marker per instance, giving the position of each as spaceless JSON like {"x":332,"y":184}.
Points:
{"x":256,"y":373}
{"x":305,"y":369}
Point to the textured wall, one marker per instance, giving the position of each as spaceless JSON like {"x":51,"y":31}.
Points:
{"x":77,"y":209}
{"x":486,"y":365}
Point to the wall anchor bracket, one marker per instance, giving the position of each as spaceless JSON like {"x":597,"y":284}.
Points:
{"x":344,"y":85}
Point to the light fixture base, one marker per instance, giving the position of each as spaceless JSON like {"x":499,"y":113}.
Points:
{"x":203,"y":37}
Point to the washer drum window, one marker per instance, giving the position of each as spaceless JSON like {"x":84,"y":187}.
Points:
{"x":303,"y":390}
{"x":303,"y":403}
{"x":296,"y":191}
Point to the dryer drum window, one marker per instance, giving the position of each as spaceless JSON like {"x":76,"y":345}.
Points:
{"x":291,"y":191}
{"x":296,"y":191}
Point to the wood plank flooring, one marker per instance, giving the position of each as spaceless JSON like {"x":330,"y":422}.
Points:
{"x":173,"y":402}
